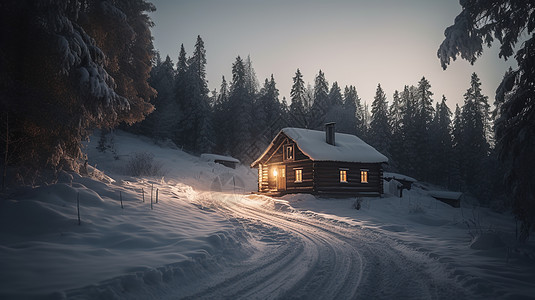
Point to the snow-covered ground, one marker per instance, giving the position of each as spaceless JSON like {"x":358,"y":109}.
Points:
{"x":208,"y":237}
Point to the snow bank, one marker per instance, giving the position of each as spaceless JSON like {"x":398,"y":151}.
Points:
{"x":43,"y":250}
{"x":476,"y":244}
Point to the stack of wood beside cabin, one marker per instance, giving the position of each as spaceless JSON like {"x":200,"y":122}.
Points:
{"x":302,"y":161}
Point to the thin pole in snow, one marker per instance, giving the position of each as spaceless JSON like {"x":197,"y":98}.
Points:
{"x":78,"y":207}
{"x":156,"y":195}
{"x":121,"y":197}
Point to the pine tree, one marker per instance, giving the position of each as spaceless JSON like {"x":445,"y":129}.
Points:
{"x":350,"y":107}
{"x":482,"y":22}
{"x":197,"y":131}
{"x":457,"y":150}
{"x":321,"y":101}
{"x":424,"y":116}
{"x":162,"y":123}
{"x":240,"y":107}
{"x":395,"y":116}
{"x":407,"y":158}
{"x":221,"y":117}
{"x":88,"y":80}
{"x":298,"y":93}
{"x":335,"y":95}
{"x":335,"y":112}
{"x":379,"y":133}
{"x":475,"y":146}
{"x":441,"y":144}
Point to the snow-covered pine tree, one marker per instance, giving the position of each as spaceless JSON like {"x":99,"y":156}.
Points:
{"x":85,"y":81}
{"x":482,"y":22}
{"x":297,"y":94}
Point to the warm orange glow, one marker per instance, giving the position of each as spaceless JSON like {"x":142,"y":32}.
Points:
{"x":343,"y":175}
{"x":364,"y":176}
{"x":299,"y":175}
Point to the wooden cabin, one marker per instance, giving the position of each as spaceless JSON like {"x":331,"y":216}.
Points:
{"x":328,"y":163}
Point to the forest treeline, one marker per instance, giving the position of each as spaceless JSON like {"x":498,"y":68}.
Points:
{"x":420,"y":136}
{"x":68,"y":67}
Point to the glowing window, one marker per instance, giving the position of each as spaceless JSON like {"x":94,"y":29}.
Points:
{"x":298,"y":175}
{"x":364,"y":176}
{"x":289,"y":152}
{"x":343,"y":176}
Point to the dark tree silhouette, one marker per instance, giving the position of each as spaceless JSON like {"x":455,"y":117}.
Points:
{"x":482,"y":22}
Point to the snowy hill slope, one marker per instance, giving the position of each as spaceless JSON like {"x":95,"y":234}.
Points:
{"x":43,"y":250}
{"x":206,"y":238}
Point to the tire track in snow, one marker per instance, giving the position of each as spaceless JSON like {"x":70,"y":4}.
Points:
{"x":322,"y":259}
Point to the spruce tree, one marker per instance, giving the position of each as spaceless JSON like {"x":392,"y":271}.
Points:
{"x":94,"y":74}
{"x":221,"y":117}
{"x":475,"y":146}
{"x":379,"y":133}
{"x":298,"y":93}
{"x":321,"y":101}
{"x":441,"y":145}
{"x":505,"y":21}
{"x":197,"y":131}
{"x":424,"y":116}
{"x":240,"y":107}
{"x":395,"y":116}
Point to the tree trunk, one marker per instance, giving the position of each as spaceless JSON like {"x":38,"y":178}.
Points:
{"x":4,"y":173}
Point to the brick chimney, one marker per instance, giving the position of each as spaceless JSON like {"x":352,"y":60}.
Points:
{"x":329,"y":133}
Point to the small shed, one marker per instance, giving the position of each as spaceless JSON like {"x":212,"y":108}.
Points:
{"x":226,"y":161}
{"x":310,"y":161}
{"x":451,"y":198}
{"x":404,"y":181}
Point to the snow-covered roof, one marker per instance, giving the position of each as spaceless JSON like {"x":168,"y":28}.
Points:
{"x":398,"y":176}
{"x":214,"y":157}
{"x":445,"y":195}
{"x":347,"y":148}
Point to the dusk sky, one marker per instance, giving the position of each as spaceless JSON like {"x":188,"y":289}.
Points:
{"x":360,"y":43}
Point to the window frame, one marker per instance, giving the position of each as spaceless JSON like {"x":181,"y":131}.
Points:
{"x":285,"y":155}
{"x":364,"y":175}
{"x":300,"y":177}
{"x":342,"y":173}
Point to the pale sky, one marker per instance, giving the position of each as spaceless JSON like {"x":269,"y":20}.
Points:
{"x":358,"y":42}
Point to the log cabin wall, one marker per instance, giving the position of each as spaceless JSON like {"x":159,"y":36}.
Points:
{"x":307,"y":176}
{"x":327,"y":178}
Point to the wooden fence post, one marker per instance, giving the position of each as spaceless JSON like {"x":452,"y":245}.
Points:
{"x":78,"y":207}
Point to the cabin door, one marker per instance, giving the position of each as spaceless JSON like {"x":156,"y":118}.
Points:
{"x":281,"y":178}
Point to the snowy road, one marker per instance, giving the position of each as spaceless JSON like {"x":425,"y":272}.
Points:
{"x":306,"y":256}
